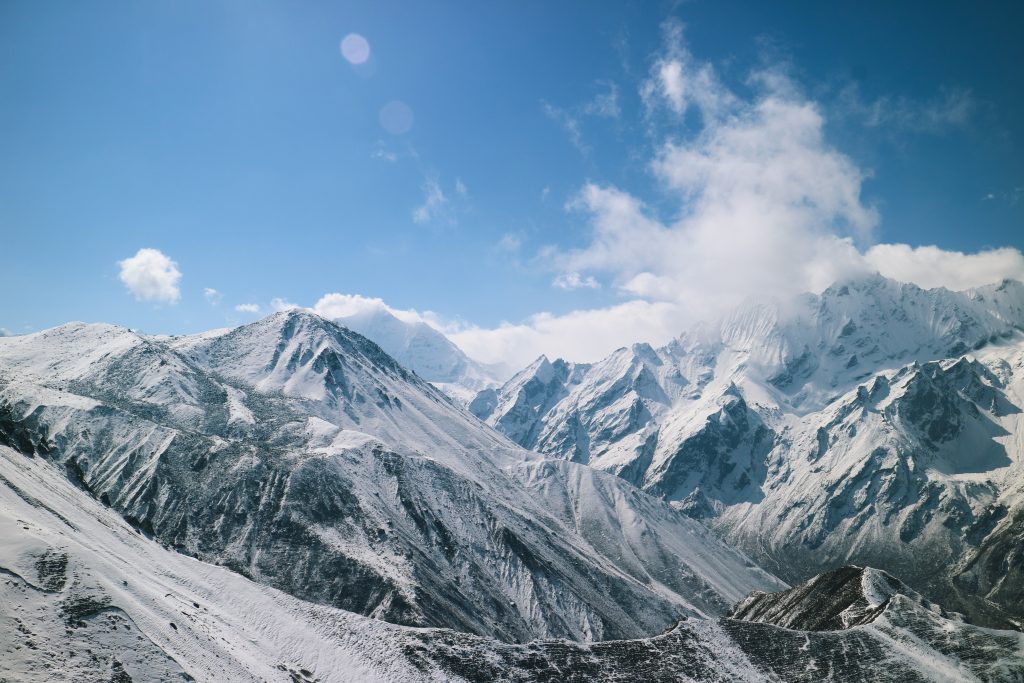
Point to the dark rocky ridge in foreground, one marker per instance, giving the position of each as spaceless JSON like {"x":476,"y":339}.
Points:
{"x":850,"y":625}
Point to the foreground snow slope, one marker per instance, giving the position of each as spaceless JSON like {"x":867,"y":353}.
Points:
{"x":86,"y":597}
{"x":877,"y":423}
{"x":300,"y":455}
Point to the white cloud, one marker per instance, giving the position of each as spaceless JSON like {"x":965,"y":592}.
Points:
{"x":677,"y":81}
{"x":586,"y":335}
{"x":460,"y":188}
{"x":573,"y":280}
{"x":151,"y":276}
{"x":253,"y":309}
{"x":4,"y":332}
{"x":930,"y":266}
{"x":212,"y":296}
{"x":336,"y":305}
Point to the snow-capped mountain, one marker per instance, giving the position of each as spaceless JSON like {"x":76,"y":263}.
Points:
{"x":86,"y":597}
{"x":877,"y":423}
{"x":299,"y":454}
{"x":426,"y":351}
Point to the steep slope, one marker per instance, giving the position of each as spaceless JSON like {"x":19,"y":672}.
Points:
{"x":839,"y":599}
{"x":877,"y":423}
{"x":86,"y":597}
{"x":299,"y":454}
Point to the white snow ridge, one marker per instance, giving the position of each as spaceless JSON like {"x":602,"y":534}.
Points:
{"x":287,"y":500}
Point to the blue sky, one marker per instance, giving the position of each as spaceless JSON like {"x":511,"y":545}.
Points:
{"x":549,"y":144}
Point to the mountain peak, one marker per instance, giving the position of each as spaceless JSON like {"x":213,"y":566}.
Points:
{"x":835,"y":600}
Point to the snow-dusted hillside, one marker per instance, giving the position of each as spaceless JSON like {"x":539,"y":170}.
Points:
{"x":877,"y":423}
{"x":86,"y":597}
{"x":299,"y":454}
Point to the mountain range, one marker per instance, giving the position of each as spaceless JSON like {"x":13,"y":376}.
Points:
{"x":877,"y":423}
{"x":290,"y":500}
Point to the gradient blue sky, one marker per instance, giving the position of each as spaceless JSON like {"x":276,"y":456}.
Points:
{"x":236,"y":139}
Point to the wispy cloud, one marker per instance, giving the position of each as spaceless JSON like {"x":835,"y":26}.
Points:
{"x":439,"y":206}
{"x":569,"y":123}
{"x":510,"y":242}
{"x":212,"y":296}
{"x":573,"y":280}
{"x":604,"y":105}
{"x":252,"y":309}
{"x":278,"y":304}
{"x":951,"y":108}
{"x":434,"y":202}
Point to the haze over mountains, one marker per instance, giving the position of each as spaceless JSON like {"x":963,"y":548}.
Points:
{"x":258,"y":502}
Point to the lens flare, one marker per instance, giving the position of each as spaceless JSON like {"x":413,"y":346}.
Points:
{"x":355,"y":48}
{"x":396,"y":117}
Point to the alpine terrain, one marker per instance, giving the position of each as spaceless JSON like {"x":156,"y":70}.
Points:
{"x":877,"y":424}
{"x":286,"y":501}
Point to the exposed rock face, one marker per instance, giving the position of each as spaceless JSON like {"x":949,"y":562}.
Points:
{"x":840,"y":599}
{"x":299,"y":454}
{"x":878,"y":423}
{"x":851,"y":624}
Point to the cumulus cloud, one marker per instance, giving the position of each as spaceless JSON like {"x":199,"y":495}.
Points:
{"x":765,"y":204}
{"x":151,"y":276}
{"x":252,"y":309}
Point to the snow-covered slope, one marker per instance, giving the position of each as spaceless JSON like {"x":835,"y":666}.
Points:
{"x":877,"y":423}
{"x":299,"y":454}
{"x":424,"y":350}
{"x":86,"y":597}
